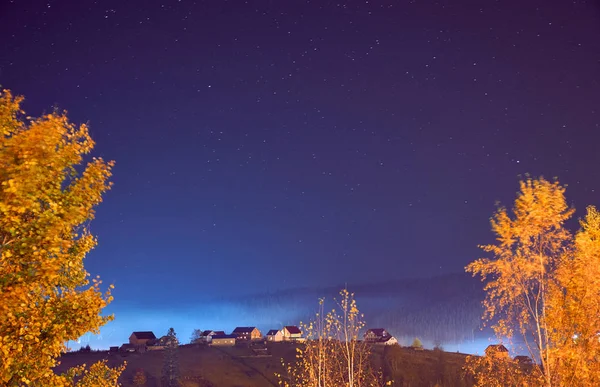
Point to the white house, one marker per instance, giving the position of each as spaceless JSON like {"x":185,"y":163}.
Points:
{"x":223,"y":340}
{"x":274,"y":335}
{"x":291,"y":333}
{"x":379,"y":336}
{"x":207,"y":335}
{"x":376,"y":334}
{"x":247,"y":333}
{"x":388,"y":340}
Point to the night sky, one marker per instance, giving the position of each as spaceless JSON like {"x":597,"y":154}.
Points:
{"x":265,"y":145}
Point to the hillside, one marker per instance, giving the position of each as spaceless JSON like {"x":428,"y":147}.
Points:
{"x":203,"y":366}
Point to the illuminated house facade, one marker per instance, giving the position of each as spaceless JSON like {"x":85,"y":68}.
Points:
{"x":376,"y":334}
{"x":207,"y":335}
{"x":291,"y":333}
{"x":223,"y":340}
{"x":274,"y":335}
{"x":247,"y":333}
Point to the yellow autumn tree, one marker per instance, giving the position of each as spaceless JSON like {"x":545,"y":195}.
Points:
{"x":542,"y":285}
{"x":97,"y":375}
{"x":522,"y":270}
{"x":47,"y":199}
{"x":333,"y":354}
{"x":495,"y":371}
{"x":575,"y":308}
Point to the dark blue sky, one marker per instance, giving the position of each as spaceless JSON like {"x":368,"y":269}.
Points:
{"x":263,"y":145}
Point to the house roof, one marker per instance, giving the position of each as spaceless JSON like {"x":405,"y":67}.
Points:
{"x":212,"y":333}
{"x":497,"y":347}
{"x":272,"y":332}
{"x":144,"y":335}
{"x":385,"y":339}
{"x":378,"y":331}
{"x":292,"y":329}
{"x":223,"y":337}
{"x":243,"y":329}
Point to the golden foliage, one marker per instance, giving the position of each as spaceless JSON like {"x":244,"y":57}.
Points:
{"x":333,"y":354}
{"x":497,"y":371}
{"x":98,"y":375}
{"x":575,"y":308}
{"x":543,"y":284}
{"x":46,"y":203}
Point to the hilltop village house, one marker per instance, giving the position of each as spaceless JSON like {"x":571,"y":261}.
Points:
{"x":291,"y":333}
{"x":274,"y":335}
{"x":376,"y":334}
{"x":206,"y":336}
{"x":379,"y":336}
{"x":139,"y":341}
{"x":223,"y":340}
{"x":389,"y":340}
{"x":247,"y":333}
{"x":141,"y":338}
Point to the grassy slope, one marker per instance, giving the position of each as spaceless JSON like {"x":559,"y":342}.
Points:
{"x":411,"y":368}
{"x":236,"y":367}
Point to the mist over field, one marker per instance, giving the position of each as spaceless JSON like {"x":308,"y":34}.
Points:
{"x":444,"y":310}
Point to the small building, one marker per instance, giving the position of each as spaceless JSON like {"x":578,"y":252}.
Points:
{"x":376,"y":334}
{"x":247,"y":333}
{"x":388,"y":340}
{"x":223,"y":340}
{"x":207,"y":335}
{"x":274,"y":335}
{"x":113,"y":349}
{"x":496,"y":350}
{"x":291,"y":333}
{"x":141,"y":338}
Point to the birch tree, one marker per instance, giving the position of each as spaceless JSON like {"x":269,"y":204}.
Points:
{"x":543,"y":284}
{"x":333,"y":355}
